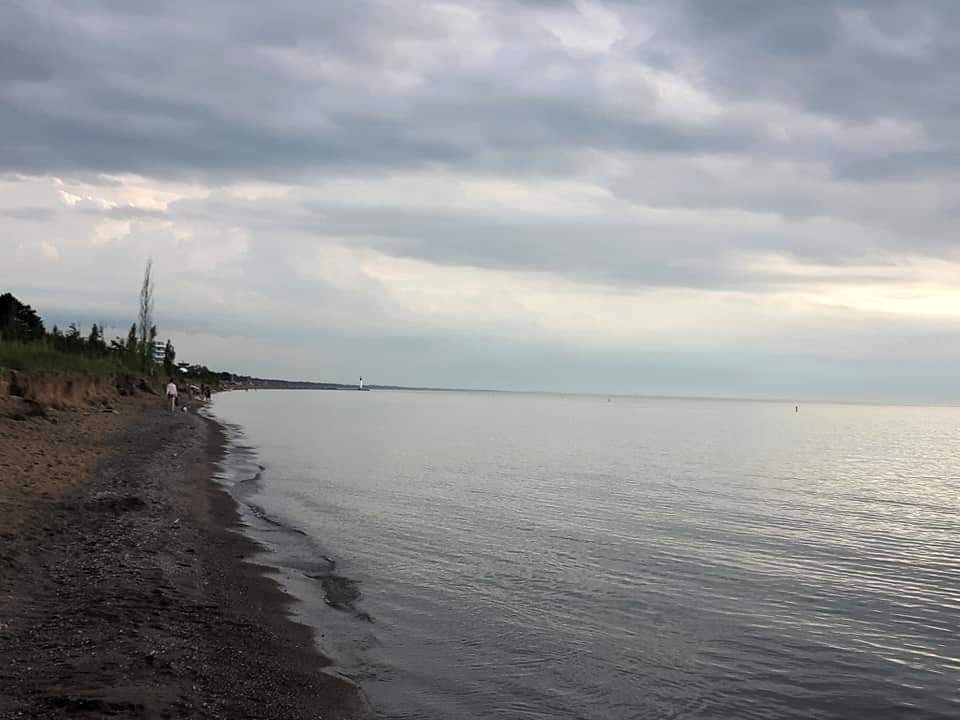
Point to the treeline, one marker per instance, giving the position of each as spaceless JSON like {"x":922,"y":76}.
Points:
{"x":137,"y":352}
{"x":203,"y":374}
{"x":25,"y":343}
{"x":19,"y":321}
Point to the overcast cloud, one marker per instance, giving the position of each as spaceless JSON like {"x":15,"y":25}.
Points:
{"x":723,"y":198}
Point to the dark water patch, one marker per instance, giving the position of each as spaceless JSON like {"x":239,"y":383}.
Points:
{"x":341,"y":592}
{"x":248,"y":485}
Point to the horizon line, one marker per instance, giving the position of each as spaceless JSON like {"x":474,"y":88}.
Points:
{"x":638,"y":396}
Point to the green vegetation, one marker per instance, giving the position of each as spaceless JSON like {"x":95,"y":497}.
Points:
{"x":201,"y":374}
{"x":25,"y":343}
{"x":43,"y":355}
{"x":19,"y":321}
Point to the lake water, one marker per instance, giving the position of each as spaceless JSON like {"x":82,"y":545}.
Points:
{"x":535,"y":556}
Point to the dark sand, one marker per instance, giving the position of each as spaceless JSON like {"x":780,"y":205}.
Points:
{"x":124,"y":590}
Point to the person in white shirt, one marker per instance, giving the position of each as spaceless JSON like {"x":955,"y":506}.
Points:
{"x":172,"y":395}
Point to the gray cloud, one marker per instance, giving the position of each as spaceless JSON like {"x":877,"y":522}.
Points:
{"x":845,"y":58}
{"x":35,"y":214}
{"x":621,"y":251}
{"x":227,"y":90}
{"x":825,"y":132}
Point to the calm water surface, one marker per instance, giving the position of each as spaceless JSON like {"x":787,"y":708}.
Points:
{"x":524,"y":556}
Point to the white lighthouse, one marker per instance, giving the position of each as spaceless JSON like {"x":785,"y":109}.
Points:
{"x":361,"y":384}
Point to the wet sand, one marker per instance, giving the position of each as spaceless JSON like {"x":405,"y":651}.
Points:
{"x":124,"y":585}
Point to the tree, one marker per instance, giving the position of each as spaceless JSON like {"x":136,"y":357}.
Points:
{"x":95,"y":342}
{"x":72,"y":339}
{"x":169,"y":359}
{"x":151,"y":344}
{"x":19,"y":321}
{"x":8,"y":311}
{"x":133,"y":355}
{"x":145,"y":316}
{"x":29,"y":326}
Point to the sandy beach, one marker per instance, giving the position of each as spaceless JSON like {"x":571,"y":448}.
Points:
{"x":125,"y":589}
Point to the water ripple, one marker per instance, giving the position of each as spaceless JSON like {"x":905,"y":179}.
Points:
{"x":550,"y":557}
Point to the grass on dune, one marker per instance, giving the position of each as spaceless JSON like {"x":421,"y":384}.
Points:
{"x":40,"y":356}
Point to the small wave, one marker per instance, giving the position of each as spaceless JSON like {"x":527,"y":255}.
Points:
{"x":261,"y":514}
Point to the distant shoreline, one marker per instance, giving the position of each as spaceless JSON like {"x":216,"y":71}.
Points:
{"x":305,"y":385}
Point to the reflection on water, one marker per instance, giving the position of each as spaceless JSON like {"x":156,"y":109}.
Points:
{"x":523,"y":556}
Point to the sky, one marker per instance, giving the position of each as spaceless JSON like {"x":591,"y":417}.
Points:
{"x":741,"y":198}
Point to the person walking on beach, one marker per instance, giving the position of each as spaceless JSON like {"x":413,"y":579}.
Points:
{"x":172,"y":395}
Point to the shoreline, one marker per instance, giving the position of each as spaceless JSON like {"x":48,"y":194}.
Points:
{"x":127,"y":586}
